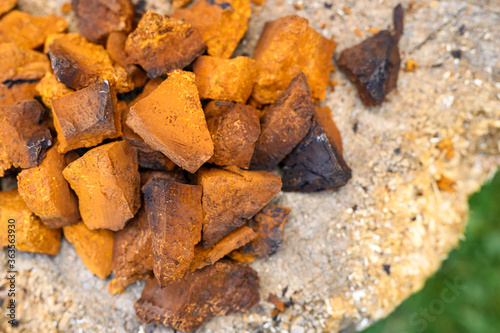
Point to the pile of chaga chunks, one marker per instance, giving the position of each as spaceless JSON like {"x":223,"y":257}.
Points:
{"x":152,"y":150}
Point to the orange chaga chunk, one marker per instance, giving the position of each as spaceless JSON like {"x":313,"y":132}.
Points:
{"x":268,"y":224}
{"x":47,"y":193}
{"x":19,"y":63}
{"x":232,"y":241}
{"x":175,"y":216}
{"x":23,"y":138}
{"x":176,"y":4}
{"x":10,"y":94}
{"x":79,"y":63}
{"x":98,"y":18}
{"x":29,"y":31}
{"x":287,"y":47}
{"x":225,"y":79}
{"x":94,"y":247}
{"x":86,"y":117}
{"x":230,"y":196}
{"x":234,"y":133}
{"x":106,"y":180}
{"x":172,"y":121}
{"x":7,"y":5}
{"x":221,"y":23}
{"x":50,"y":88}
{"x":161,"y":44}
{"x":31,"y":235}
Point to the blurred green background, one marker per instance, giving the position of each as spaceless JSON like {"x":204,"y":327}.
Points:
{"x":464,"y":295}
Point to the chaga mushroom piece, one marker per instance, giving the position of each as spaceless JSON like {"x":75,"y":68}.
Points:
{"x":175,"y":217}
{"x":94,"y":247}
{"x":31,"y":235}
{"x":215,"y":290}
{"x":86,"y":117}
{"x":49,"y":88}
{"x":132,"y":254}
{"x":171,"y":120}
{"x":315,"y":164}
{"x":24,"y":139}
{"x":12,"y":93}
{"x":268,"y":224}
{"x":323,"y":115}
{"x":225,"y":79}
{"x":230,"y":196}
{"x":161,"y":44}
{"x":374,"y":64}
{"x":232,"y":241}
{"x":47,"y":193}
{"x":221,"y":23}
{"x":98,"y":18}
{"x":234,"y":133}
{"x":79,"y":63}
{"x":287,"y":47}
{"x":29,"y":31}
{"x":7,"y":5}
{"x":19,"y":63}
{"x":106,"y":180}
{"x":284,"y":125}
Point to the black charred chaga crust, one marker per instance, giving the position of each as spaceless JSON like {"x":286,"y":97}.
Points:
{"x":374,"y":64}
{"x":314,"y":165}
{"x":220,"y":289}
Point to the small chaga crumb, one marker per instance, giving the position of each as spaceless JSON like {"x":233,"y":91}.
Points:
{"x":31,"y":235}
{"x":373,"y":65}
{"x":411,"y":66}
{"x":216,"y":290}
{"x":221,"y":23}
{"x":98,"y":18}
{"x":94,"y":247}
{"x":29,"y":31}
{"x":24,"y":139}
{"x":286,"y":47}
{"x":232,"y":241}
{"x":176,"y":4}
{"x":175,"y":217}
{"x":19,"y":63}
{"x":106,"y":180}
{"x":446,"y":184}
{"x":446,"y":145}
{"x":278,"y":304}
{"x":171,"y":120}
{"x":284,"y":124}
{"x":268,"y":224}
{"x":230,"y":196}
{"x":86,"y":117}
{"x":49,"y":88}
{"x":79,"y":63}
{"x":161,"y":44}
{"x":66,"y":7}
{"x":47,"y":193}
{"x":132,"y":254}
{"x":225,"y":79}
{"x":234,"y":133}
{"x":12,"y":93}
{"x":7,"y":5}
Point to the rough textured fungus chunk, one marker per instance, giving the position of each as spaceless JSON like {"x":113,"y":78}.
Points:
{"x":221,"y":23}
{"x":232,"y":195}
{"x":287,"y":47}
{"x":98,"y":18}
{"x":12,"y":93}
{"x":106,"y":180}
{"x":86,"y":117}
{"x":47,"y":193}
{"x":31,"y":235}
{"x":175,"y":217}
{"x":225,"y":79}
{"x":115,"y":45}
{"x":171,"y":120}
{"x":161,"y":44}
{"x":284,"y":124}
{"x":94,"y":247}
{"x":49,"y":88}
{"x":216,"y":290}
{"x":19,"y":63}
{"x":24,"y":139}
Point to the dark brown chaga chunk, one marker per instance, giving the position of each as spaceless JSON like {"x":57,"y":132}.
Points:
{"x":175,"y":217}
{"x":98,"y":18}
{"x":268,"y":224}
{"x":132,"y":254}
{"x":284,"y":124}
{"x":24,"y":138}
{"x":315,"y":164}
{"x":323,"y":115}
{"x":215,"y":290}
{"x":373,"y":65}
